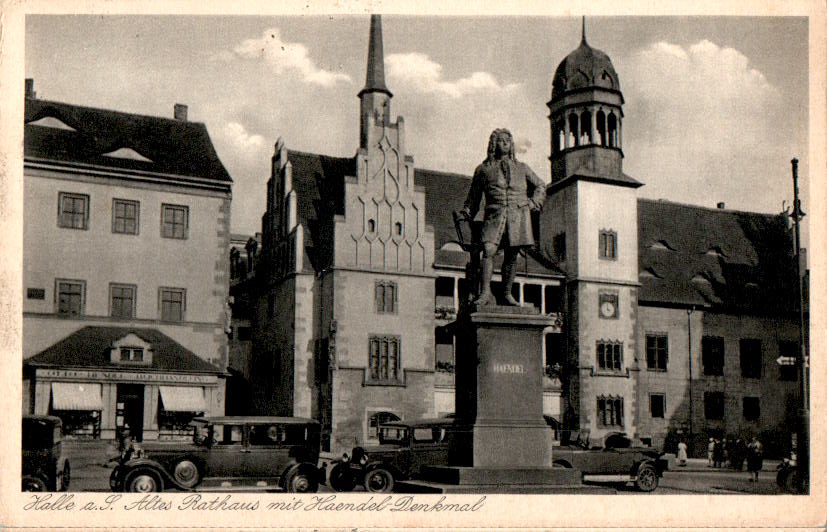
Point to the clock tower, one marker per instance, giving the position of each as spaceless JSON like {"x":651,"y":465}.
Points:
{"x":589,"y":227}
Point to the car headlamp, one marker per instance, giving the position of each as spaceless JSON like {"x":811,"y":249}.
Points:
{"x":345,"y":458}
{"x":363,"y":460}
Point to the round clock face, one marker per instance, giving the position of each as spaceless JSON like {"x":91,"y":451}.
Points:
{"x":607,"y":309}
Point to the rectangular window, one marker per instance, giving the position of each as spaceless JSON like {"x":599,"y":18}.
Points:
{"x":712,"y":354}
{"x":752,"y":408}
{"x":714,"y":405}
{"x":610,"y":411}
{"x":750,"y":354}
{"x":608,"y":245}
{"x":70,"y":296}
{"x":385,"y":294}
{"x":125,"y":216}
{"x":132,"y":354}
{"x":444,"y":349}
{"x":174,"y":221}
{"x":610,"y":355}
{"x":657,"y":405}
{"x":384,"y":360}
{"x":122,"y":301}
{"x":559,"y":246}
{"x":173,"y":303}
{"x":657,"y":351}
{"x":73,"y":210}
{"x":788,"y":349}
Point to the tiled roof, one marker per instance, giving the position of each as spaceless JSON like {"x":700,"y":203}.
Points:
{"x":133,"y":142}
{"x":713,"y":257}
{"x":316,"y":177}
{"x":89,"y":347}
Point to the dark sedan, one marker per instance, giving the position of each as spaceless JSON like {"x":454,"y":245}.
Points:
{"x":227,"y":453}
{"x":45,"y":467}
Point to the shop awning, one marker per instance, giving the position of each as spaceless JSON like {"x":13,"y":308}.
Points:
{"x":182,"y":398}
{"x":84,"y":396}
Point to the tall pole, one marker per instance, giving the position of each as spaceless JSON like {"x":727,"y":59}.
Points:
{"x":803,"y":440}
{"x":691,"y":403}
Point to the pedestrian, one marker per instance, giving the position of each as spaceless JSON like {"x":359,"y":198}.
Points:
{"x":741,"y":454}
{"x":718,"y":453}
{"x":755,"y":458}
{"x":726,"y":444}
{"x":682,"y":454}
{"x":709,"y":450}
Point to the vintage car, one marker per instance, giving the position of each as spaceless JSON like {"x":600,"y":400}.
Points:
{"x":45,"y":467}
{"x":402,"y":451}
{"x":227,"y":453}
{"x":613,"y":458}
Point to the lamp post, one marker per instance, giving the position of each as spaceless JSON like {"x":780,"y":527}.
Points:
{"x":803,"y":439}
{"x":689,"y":312}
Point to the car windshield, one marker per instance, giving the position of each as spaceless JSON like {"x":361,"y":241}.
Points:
{"x":39,"y":434}
{"x":393,"y":434}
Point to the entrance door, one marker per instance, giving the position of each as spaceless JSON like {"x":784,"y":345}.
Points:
{"x":131,"y":409}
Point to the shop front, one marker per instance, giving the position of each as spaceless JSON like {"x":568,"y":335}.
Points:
{"x":154,"y":390}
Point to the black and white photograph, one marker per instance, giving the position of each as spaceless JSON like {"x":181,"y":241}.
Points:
{"x":369,"y":265}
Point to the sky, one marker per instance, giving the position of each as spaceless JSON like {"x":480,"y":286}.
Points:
{"x":715,"y":107}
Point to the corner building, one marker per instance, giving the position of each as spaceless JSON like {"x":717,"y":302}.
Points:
{"x":669,"y":317}
{"x":125,"y":282}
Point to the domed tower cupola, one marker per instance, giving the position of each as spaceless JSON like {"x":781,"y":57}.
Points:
{"x":586,"y":114}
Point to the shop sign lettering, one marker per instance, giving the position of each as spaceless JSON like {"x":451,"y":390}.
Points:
{"x":124,"y":376}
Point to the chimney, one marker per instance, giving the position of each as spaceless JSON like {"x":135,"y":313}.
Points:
{"x":721,"y":205}
{"x":30,"y":93}
{"x":181,"y":112}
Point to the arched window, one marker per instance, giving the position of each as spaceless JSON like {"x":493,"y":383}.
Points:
{"x":586,"y":127}
{"x":612,"y":131}
{"x":377,"y":419}
{"x":398,"y":229}
{"x":574,"y":130}
{"x":371,"y":226}
{"x":601,"y":128}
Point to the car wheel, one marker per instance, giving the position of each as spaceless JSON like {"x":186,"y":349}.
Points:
{"x":301,"y":482}
{"x":379,"y":480}
{"x":186,"y":473}
{"x":647,"y":478}
{"x":33,"y":484}
{"x":115,"y":483}
{"x":340,"y":478}
{"x":142,"y":481}
{"x":66,"y":477}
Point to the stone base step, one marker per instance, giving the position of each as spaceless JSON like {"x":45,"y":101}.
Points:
{"x":506,"y":476}
{"x":424,"y":486}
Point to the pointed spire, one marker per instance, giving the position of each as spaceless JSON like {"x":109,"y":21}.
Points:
{"x":375,"y":79}
{"x":583,"y":33}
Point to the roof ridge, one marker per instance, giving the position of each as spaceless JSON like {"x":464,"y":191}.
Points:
{"x":116,"y":112}
{"x":705,"y":208}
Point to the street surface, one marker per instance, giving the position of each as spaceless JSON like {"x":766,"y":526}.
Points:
{"x":91,"y":469}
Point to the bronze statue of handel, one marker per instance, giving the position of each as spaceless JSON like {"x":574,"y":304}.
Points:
{"x":506,"y":184}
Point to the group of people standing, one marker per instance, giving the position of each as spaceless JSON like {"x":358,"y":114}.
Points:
{"x":721,"y":453}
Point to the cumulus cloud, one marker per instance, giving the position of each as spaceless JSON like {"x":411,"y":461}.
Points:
{"x":242,"y":142}
{"x":703,"y":96}
{"x":284,"y":57}
{"x":418,"y":72}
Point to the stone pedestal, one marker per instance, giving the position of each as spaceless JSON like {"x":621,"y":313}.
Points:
{"x":499,"y":387}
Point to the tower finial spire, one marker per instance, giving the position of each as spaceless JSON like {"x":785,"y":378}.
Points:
{"x":583,"y":32}
{"x":375,"y":78}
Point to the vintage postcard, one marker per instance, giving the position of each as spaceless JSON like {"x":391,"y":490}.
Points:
{"x":375,"y":265}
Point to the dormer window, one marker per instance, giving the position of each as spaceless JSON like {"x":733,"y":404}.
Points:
{"x":52,"y":122}
{"x":661,"y":244}
{"x":131,"y":350}
{"x":127,"y":153}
